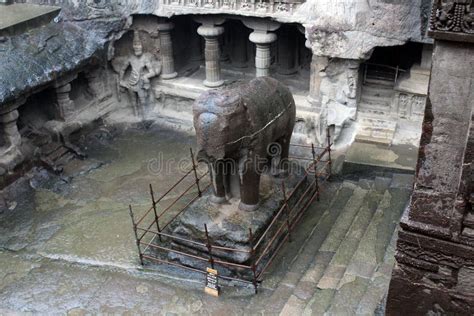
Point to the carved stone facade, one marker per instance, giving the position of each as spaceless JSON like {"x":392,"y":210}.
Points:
{"x":434,"y":273}
{"x":452,"y":20}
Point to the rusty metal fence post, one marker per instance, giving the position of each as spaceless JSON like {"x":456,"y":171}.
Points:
{"x":329,"y":152}
{"x":252,"y":258}
{"x":156,"y":213}
{"x":136,"y":234}
{"x":209,"y":246}
{"x":195,"y":172}
{"x":315,"y":164}
{"x":287,"y":208}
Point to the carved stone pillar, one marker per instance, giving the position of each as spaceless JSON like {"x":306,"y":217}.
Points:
{"x":318,"y":65}
{"x":262,"y":38}
{"x":435,"y":248}
{"x":10,"y":154}
{"x":65,"y":106}
{"x":166,"y":51}
{"x":211,"y":31}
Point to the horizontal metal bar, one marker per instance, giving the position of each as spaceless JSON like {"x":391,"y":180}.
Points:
{"x":226,"y":263}
{"x":144,"y":215}
{"x":176,"y":200}
{"x":175,"y":251}
{"x":149,"y":226}
{"x":185,"y":207}
{"x":174,"y":186}
{"x":194,"y":269}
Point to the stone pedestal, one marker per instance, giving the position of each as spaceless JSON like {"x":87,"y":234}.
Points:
{"x":211,"y":52}
{"x":263,"y":38}
{"x":228,"y":226}
{"x":166,"y":51}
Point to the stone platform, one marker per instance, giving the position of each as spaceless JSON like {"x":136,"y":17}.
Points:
{"x":228,"y":226}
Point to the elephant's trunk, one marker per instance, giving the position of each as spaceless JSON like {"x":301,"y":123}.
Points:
{"x":211,"y":137}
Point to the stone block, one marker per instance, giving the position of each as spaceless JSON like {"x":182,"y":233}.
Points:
{"x":433,"y":208}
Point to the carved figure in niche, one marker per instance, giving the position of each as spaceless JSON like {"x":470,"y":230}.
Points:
{"x":135,"y":73}
{"x":238,"y":128}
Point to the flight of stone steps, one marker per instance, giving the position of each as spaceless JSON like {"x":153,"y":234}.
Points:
{"x":344,"y":251}
{"x":374,"y":109}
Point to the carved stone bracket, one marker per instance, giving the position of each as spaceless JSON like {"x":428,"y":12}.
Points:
{"x":452,"y":20}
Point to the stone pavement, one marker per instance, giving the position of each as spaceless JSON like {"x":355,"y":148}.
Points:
{"x":66,"y":243}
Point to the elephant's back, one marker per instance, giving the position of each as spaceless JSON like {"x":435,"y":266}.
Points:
{"x":267,"y":99}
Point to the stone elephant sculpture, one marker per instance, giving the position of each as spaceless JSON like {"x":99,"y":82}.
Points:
{"x":235,"y":127}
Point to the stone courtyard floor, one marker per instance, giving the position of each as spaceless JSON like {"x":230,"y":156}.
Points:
{"x":67,"y":245}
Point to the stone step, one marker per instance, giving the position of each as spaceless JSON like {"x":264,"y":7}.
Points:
{"x":378,"y":81}
{"x":324,"y":292}
{"x":346,"y":249}
{"x":377,"y":90}
{"x":353,"y":283}
{"x":377,"y":288}
{"x":370,"y":110}
{"x":376,"y":100}
{"x":331,"y":280}
{"x":282,"y":276}
{"x":370,"y":262}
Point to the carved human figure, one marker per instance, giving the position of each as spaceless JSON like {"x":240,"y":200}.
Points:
{"x":236,"y":128}
{"x":135,"y":73}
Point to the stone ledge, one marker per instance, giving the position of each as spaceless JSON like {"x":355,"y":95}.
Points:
{"x":18,"y":18}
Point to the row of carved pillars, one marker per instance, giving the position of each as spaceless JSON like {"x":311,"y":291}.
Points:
{"x":263,"y":36}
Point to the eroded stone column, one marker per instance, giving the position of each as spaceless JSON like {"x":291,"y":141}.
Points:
{"x":65,"y":106}
{"x":10,"y":154}
{"x":318,"y":66}
{"x":211,"y":53}
{"x":167,"y":59}
{"x":262,"y":37}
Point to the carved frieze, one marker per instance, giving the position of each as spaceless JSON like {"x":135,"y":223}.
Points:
{"x":452,"y":20}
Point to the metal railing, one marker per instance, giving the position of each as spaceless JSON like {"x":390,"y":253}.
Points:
{"x":263,"y":249}
{"x":382,"y":72}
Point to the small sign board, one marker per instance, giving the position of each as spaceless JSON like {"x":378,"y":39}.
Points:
{"x":212,"y":286}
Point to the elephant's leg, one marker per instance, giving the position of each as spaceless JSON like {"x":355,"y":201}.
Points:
{"x":249,"y":185}
{"x":218,"y":179}
{"x":283,"y":162}
{"x":228,"y":171}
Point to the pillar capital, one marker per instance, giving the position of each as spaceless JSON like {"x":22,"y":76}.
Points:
{"x":210,"y":20}
{"x":210,"y":30}
{"x":262,"y":26}
{"x":165,"y":26}
{"x":259,"y":37}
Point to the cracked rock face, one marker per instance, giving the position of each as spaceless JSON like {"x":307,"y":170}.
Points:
{"x":42,"y":55}
{"x":353,"y":28}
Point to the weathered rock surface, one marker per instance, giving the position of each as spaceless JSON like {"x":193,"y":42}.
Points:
{"x":42,"y":55}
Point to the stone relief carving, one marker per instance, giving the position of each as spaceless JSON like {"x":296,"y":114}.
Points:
{"x":135,"y":72}
{"x":411,"y":106}
{"x":452,"y":16}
